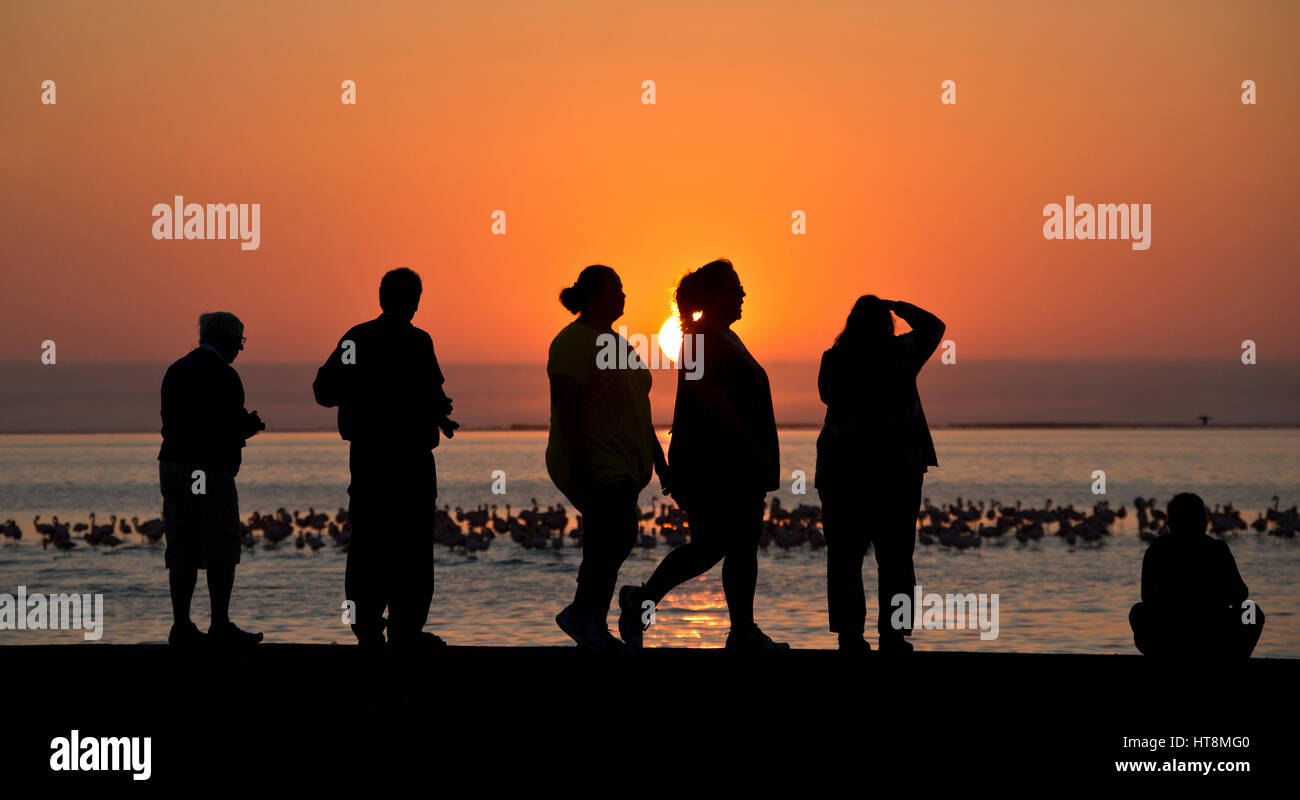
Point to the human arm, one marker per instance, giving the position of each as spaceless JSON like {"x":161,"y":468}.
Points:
{"x":1150,"y":586}
{"x":566,"y":396}
{"x":661,"y":463}
{"x":926,"y":334}
{"x":240,"y":422}
{"x":441,"y":402}
{"x":830,"y":383}
{"x":330,"y":386}
{"x":1234,"y":587}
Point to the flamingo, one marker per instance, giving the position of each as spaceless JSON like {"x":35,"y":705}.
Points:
{"x":315,"y":542}
{"x":12,"y":531}
{"x":149,"y":529}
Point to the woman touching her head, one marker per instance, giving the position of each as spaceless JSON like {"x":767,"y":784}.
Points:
{"x":872,"y":453}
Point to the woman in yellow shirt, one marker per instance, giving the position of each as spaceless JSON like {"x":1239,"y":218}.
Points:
{"x":602,"y":445}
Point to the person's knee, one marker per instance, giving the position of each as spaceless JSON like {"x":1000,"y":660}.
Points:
{"x":1249,"y":626}
{"x":894,"y":566}
{"x":1136,"y":616}
{"x":741,"y":548}
{"x":219,"y":569}
{"x":1245,"y":616}
{"x":706,"y":558}
{"x":1137,"y":622}
{"x":844,"y":566}
{"x":844,"y":544}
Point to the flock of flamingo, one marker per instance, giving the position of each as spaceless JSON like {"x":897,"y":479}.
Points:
{"x":958,"y":526}
{"x":967,"y":526}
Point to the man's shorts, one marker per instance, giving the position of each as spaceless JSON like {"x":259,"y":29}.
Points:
{"x":201,"y":529}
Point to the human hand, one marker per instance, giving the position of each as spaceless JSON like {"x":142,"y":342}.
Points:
{"x":665,"y":477}
{"x":448,"y":427}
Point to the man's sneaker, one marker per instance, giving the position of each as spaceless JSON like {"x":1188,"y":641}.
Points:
{"x":226,"y":634}
{"x":751,"y":638}
{"x":369,"y":638}
{"x":854,"y":644}
{"x":631,"y":612}
{"x":185,"y":635}
{"x":423,"y":640}
{"x":588,"y":632}
{"x":371,"y":633}
{"x":894,"y":645}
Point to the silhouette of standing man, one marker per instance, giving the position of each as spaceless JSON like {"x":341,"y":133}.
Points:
{"x":204,"y":426}
{"x":385,"y":380}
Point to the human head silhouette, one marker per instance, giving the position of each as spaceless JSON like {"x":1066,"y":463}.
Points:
{"x":224,"y":331}
{"x":1187,"y":514}
{"x":399,"y":293}
{"x":870,"y":322}
{"x":597,"y":294}
{"x":713,"y":291}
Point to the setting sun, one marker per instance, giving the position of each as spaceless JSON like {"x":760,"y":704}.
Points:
{"x":670,"y":337}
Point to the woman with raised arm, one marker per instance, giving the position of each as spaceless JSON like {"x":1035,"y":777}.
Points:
{"x":602,"y":445}
{"x":724,"y":457}
{"x":872,"y":453}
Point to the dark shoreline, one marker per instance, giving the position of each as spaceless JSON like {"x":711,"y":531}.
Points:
{"x":326,"y":712}
{"x":789,"y":426}
{"x":944,"y":658}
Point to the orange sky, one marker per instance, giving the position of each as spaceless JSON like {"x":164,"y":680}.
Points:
{"x":762,"y":108}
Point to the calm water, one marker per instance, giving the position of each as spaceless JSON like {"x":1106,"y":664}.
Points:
{"x":1052,"y":598}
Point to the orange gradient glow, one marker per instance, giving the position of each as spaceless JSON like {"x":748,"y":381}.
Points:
{"x":763,"y":108}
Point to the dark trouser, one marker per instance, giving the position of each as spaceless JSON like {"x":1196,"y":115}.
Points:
{"x":203,"y":532}
{"x":609,"y":523}
{"x":201,"y":528}
{"x":723,"y":528}
{"x":390,"y":556}
{"x":877,"y":510}
{"x":1218,"y":633}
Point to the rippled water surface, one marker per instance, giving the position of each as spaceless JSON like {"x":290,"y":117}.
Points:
{"x":1052,"y":598}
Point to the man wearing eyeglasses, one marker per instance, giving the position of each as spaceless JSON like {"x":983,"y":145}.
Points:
{"x":204,"y":429}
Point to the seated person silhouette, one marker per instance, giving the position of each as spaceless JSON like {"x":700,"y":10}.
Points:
{"x":1194,"y":602}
